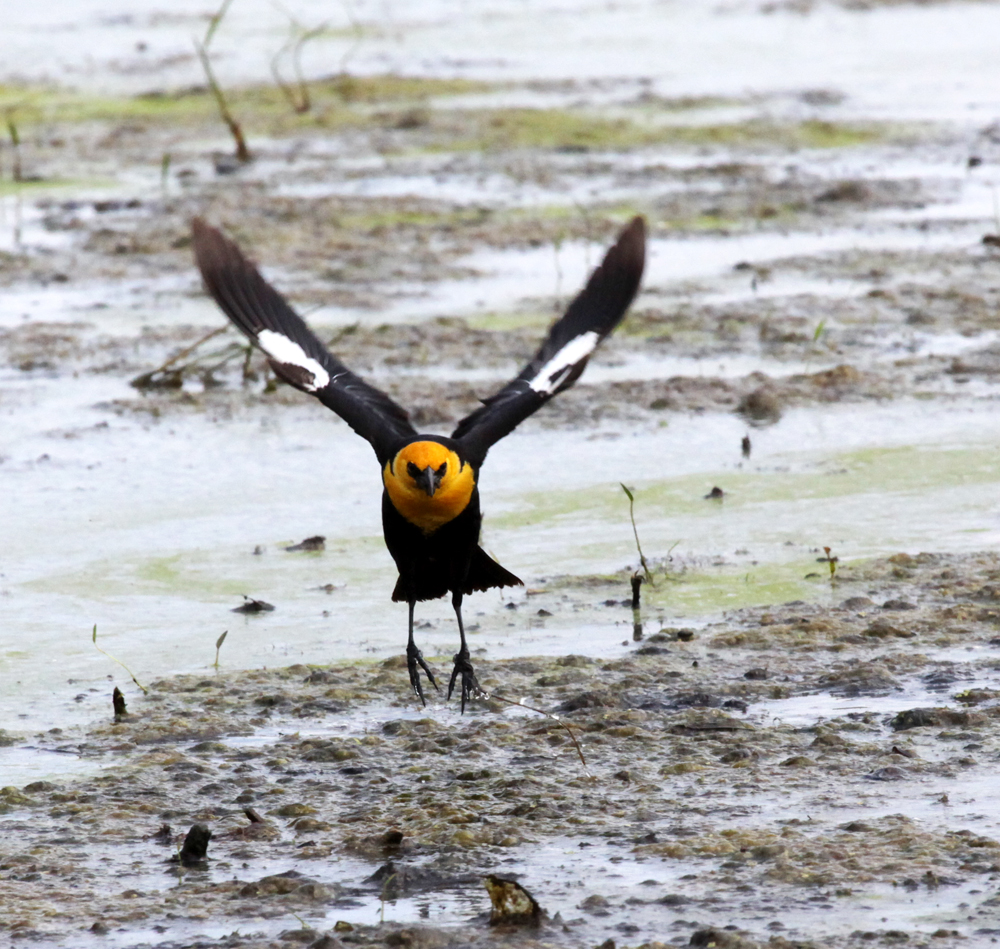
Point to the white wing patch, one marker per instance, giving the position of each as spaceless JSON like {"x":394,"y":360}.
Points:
{"x":282,"y":349}
{"x":558,"y":367}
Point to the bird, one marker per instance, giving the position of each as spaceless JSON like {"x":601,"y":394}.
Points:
{"x":431,"y":515}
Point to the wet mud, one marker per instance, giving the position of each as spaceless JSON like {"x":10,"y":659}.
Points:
{"x":835,"y":325}
{"x":832,"y":758}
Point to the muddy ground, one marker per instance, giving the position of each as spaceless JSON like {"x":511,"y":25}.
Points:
{"x":864,"y":316}
{"x":800,"y":775}
{"x":692,"y":779}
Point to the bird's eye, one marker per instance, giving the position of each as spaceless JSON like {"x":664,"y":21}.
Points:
{"x":412,"y":470}
{"x":443,"y":470}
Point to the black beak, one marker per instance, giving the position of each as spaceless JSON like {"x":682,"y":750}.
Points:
{"x":428,"y":480}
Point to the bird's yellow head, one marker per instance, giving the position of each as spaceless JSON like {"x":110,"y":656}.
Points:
{"x":428,"y":484}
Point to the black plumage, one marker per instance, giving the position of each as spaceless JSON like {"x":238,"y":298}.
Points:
{"x":430,"y":505}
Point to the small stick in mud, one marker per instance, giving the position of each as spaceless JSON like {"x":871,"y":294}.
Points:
{"x":194,"y":850}
{"x":746,"y":447}
{"x":248,"y":374}
{"x":118,"y":704}
{"x":164,"y":172}
{"x":637,"y":579}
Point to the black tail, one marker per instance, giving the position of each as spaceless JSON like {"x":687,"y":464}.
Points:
{"x":429,"y":584}
{"x":485,"y":573}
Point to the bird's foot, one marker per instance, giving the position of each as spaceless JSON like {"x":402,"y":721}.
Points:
{"x":415,"y":662}
{"x":470,"y":684}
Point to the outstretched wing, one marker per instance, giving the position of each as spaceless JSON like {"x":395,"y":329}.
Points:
{"x":293,"y":351}
{"x":595,"y":312}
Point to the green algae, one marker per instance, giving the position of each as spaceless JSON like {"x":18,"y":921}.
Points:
{"x":573,"y":130}
{"x":407,"y":214}
{"x":222,"y":574}
{"x":339,"y":101}
{"x":391,"y":87}
{"x":361,"y":101}
{"x":871,"y":471}
{"x":692,"y":589}
{"x":702,"y":590}
{"x":669,"y":510}
{"x":507,"y":321}
{"x":34,"y":186}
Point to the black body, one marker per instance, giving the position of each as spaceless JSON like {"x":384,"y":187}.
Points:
{"x":447,"y":559}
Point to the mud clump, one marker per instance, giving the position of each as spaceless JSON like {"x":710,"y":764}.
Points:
{"x":760,"y":407}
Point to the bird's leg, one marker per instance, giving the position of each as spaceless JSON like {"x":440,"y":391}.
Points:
{"x":463,"y":663}
{"x":415,"y":662}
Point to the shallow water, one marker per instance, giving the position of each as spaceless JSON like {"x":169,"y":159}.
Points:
{"x":148,"y":529}
{"x":147,"y":526}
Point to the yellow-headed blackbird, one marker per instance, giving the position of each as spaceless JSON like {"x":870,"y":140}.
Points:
{"x":430,"y":505}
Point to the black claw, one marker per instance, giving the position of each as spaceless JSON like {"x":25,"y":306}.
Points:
{"x":470,"y":684}
{"x":415,"y":662}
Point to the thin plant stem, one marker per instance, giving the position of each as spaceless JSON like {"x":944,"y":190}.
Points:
{"x":218,"y":646}
{"x":631,"y":513}
{"x":215,"y":20}
{"x":144,"y":380}
{"x":165,"y":172}
{"x":242,"y":152}
{"x":555,"y":718}
{"x":113,"y":659}
{"x":832,"y":561}
{"x":298,"y":97}
{"x":190,"y":349}
{"x":15,"y":145}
